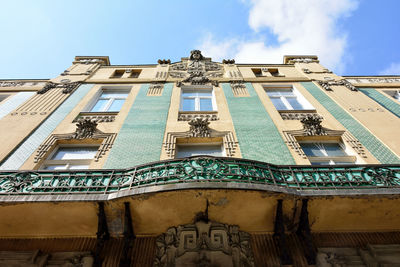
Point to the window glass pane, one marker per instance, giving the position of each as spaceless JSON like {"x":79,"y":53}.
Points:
{"x":56,"y":167}
{"x":206,"y":104}
{"x":280,"y":92}
{"x":116,"y":105}
{"x":113,"y":95}
{"x":278,"y":103}
{"x":100,"y":105}
{"x":334,"y":150}
{"x":189,"y":93}
{"x":196,"y":150}
{"x":188,"y":104}
{"x":294,"y":103}
{"x":204,"y":93}
{"x":312,"y":150}
{"x":321,"y":163}
{"x":65,"y":153}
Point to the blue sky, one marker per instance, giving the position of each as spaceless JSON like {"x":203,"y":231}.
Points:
{"x":352,"y":37}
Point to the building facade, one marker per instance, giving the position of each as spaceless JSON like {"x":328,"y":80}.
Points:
{"x":200,"y":163}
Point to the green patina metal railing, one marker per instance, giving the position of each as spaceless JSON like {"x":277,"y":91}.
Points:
{"x":200,"y":169}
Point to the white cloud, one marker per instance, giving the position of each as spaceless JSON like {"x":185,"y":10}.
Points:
{"x":301,"y":27}
{"x":393,"y":69}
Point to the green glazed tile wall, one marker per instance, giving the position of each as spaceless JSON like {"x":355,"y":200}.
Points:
{"x":379,"y":150}
{"x":141,"y":136}
{"x":25,"y":150}
{"x":382,"y":100}
{"x":258,"y":137}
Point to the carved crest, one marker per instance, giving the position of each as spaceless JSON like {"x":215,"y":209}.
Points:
{"x":199,"y":127}
{"x":312,"y":125}
{"x":204,"y":244}
{"x":196,"y":70}
{"x":85,"y":129}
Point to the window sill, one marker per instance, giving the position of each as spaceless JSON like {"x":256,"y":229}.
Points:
{"x":97,"y":116}
{"x":189,"y":115}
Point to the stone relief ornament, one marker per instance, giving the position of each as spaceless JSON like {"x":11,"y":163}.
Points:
{"x":327,"y":84}
{"x":67,"y":87}
{"x":197,"y":70}
{"x":204,"y":244}
{"x":312,"y":125}
{"x":85,"y":129}
{"x":199,"y":127}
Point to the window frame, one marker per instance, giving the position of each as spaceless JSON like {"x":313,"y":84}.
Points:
{"x":302,"y":101}
{"x":97,"y":97}
{"x":349,"y":158}
{"x":197,"y":107}
{"x":223,"y":150}
{"x":67,"y":162}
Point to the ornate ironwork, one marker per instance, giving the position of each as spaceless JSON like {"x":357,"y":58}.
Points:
{"x":201,"y":169}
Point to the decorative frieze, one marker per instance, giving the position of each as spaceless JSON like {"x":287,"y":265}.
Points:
{"x":327,"y":84}
{"x":183,"y":116}
{"x":308,"y":71}
{"x":95,"y":117}
{"x":19,"y":84}
{"x":298,"y":116}
{"x":204,"y":244}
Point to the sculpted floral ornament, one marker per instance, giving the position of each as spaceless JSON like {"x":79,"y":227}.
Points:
{"x":19,"y":182}
{"x":85,"y":129}
{"x":199,"y":127}
{"x":312,"y":125}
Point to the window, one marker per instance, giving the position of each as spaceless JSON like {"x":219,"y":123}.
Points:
{"x":110,"y":101}
{"x":70,"y":158}
{"x":198,"y":100}
{"x":287,"y":98}
{"x":327,"y":153}
{"x":3,"y":97}
{"x":257,"y":72}
{"x":216,"y":150}
{"x":118,"y":74}
{"x":135,"y":73}
{"x":275,"y":73}
{"x":394,"y":93}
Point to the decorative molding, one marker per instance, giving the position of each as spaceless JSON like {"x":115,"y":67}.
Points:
{"x":204,"y":244}
{"x":298,"y":116}
{"x":67,"y":87}
{"x":155,"y":89}
{"x":20,"y":84}
{"x":235,"y":74}
{"x":239,"y":89}
{"x":41,"y":259}
{"x":183,"y":116}
{"x":199,"y":127}
{"x":300,"y":59}
{"x":229,"y":142}
{"x":228,"y":61}
{"x":96,"y":117}
{"x":373,"y":80}
{"x":160,"y":75}
{"x":197,"y":70}
{"x":327,"y":84}
{"x":312,"y":127}
{"x":85,"y":130}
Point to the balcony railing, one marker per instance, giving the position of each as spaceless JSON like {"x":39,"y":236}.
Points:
{"x":197,"y":170}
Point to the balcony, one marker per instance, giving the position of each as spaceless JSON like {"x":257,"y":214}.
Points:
{"x":204,"y":172}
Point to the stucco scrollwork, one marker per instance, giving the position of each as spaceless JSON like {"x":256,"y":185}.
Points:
{"x":204,"y":244}
{"x":67,"y":87}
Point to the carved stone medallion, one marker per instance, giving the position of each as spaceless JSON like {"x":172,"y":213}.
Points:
{"x":208,"y":244}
